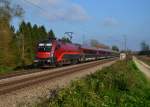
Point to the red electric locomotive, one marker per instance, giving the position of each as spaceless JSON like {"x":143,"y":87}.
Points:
{"x":58,"y":52}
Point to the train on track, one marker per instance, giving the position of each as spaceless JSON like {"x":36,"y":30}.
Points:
{"x":57,"y":53}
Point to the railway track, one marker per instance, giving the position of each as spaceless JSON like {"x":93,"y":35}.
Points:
{"x":25,"y":72}
{"x":8,"y":85}
{"x":18,"y":73}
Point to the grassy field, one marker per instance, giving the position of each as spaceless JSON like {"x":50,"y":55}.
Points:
{"x":120,"y":85}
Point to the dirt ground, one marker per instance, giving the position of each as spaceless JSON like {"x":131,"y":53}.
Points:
{"x":144,"y":67}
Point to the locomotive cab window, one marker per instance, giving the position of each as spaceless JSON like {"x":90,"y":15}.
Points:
{"x":46,"y":47}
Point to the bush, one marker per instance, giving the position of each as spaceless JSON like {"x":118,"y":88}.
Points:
{"x":120,"y":85}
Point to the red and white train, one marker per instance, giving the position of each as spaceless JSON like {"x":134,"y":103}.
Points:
{"x":58,"y":53}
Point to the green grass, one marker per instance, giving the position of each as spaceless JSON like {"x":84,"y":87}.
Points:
{"x":120,"y":85}
{"x":9,"y":70}
{"x":4,"y":70}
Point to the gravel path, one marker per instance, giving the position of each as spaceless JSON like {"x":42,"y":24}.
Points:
{"x":29,"y":95}
{"x":142,"y":67}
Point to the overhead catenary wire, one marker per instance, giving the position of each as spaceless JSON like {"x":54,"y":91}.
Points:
{"x":29,"y":2}
{"x":37,"y":6}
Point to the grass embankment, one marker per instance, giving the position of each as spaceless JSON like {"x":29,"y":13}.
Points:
{"x":4,"y":70}
{"x":9,"y":70}
{"x":145,"y":59}
{"x":120,"y":85}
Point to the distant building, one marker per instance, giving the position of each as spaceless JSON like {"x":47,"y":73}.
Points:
{"x":122,"y":56}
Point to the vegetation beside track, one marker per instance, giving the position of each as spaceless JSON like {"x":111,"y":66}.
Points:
{"x":145,"y":59}
{"x":120,"y":85}
{"x":4,"y":70}
{"x":10,"y":70}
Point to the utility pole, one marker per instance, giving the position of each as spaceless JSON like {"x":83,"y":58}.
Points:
{"x":125,"y":43}
{"x":125,"y":46}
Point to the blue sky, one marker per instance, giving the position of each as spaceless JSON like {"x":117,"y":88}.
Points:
{"x":107,"y":21}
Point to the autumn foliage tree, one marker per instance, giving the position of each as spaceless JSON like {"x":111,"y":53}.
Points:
{"x":7,"y":12}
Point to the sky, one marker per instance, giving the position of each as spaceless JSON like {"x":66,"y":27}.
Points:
{"x":108,"y":21}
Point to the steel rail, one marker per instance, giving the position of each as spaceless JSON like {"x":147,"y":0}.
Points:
{"x":28,"y":81}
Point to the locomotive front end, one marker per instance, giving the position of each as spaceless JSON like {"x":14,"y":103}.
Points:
{"x":44,"y":54}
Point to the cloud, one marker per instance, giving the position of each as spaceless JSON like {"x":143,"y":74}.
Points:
{"x":110,"y":22}
{"x":61,"y":10}
{"x":48,"y":2}
{"x":36,"y":2}
{"x":72,"y":13}
{"x":76,"y":12}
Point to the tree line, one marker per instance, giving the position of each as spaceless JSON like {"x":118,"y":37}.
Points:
{"x":26,"y":39}
{"x":7,"y":51}
{"x":17,"y":47}
{"x":145,"y":49}
{"x":22,"y":44}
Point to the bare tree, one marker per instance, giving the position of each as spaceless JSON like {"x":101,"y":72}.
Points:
{"x":94,"y":43}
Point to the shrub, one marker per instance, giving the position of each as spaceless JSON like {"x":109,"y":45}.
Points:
{"x":120,"y":85}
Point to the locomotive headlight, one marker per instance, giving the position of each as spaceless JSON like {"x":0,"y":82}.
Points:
{"x":48,"y":60}
{"x":36,"y":60}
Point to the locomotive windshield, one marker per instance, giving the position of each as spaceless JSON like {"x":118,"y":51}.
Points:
{"x":44,"y":47}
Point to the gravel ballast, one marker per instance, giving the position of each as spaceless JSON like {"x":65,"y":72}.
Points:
{"x":29,"y":95}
